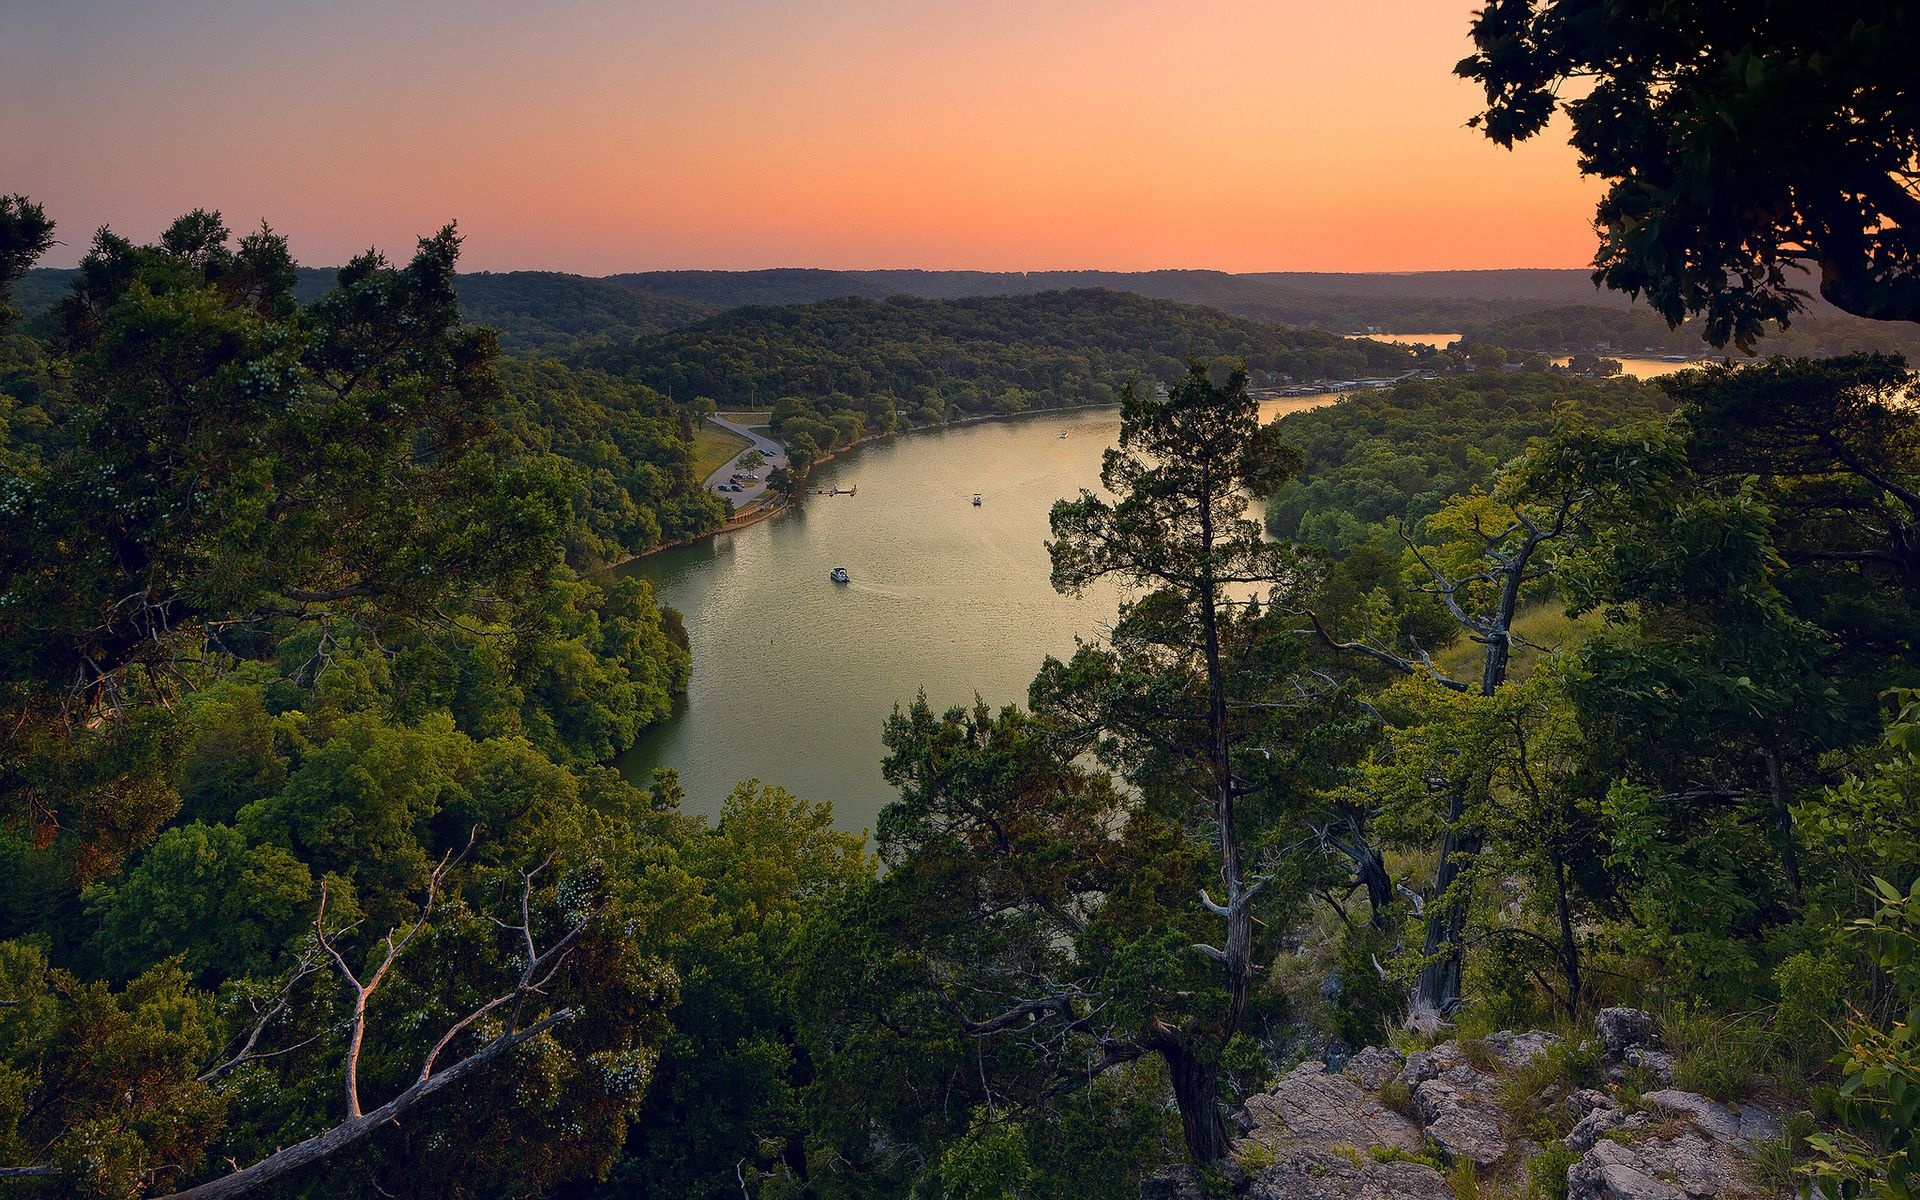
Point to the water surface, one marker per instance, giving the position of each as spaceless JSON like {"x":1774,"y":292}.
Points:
{"x":793,"y":676}
{"x":1630,"y":365}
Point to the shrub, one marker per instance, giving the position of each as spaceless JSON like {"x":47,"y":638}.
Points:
{"x":1367,"y":1003}
{"x":1463,"y":1181}
{"x":1810,"y":987}
{"x":1528,"y":1094}
{"x":1390,"y":1154}
{"x":1547,"y":1171}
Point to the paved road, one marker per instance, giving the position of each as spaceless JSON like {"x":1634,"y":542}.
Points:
{"x":775,"y":454}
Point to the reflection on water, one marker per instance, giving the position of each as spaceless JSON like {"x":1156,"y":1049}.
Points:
{"x":1637,"y":368}
{"x":1438,"y":340}
{"x":793,"y":675}
{"x":1643,"y":368}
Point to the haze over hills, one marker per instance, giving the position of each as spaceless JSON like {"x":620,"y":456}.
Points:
{"x":535,"y":311}
{"x":550,"y":312}
{"x":1415,"y":302}
{"x":1322,"y":300}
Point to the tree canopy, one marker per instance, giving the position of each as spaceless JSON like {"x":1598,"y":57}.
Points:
{"x":1748,"y":149}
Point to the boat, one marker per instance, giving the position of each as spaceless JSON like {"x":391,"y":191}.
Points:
{"x":839,"y":575}
{"x":1063,"y":437}
{"x":976,"y":499}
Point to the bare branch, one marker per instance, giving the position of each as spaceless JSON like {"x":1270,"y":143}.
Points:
{"x":1398,"y":662}
{"x":307,"y":964}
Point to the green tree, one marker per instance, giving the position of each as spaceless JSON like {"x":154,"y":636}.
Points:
{"x":726,"y":1103}
{"x":1178,"y":527}
{"x":100,"y":1087}
{"x":1743,"y":146}
{"x":25,"y":234}
{"x":231,"y":456}
{"x":201,"y":892}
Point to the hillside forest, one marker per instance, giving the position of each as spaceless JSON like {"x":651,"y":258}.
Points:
{"x":1477,"y":703}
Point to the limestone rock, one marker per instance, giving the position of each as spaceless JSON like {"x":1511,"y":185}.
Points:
{"x":1516,"y":1050}
{"x":1311,"y":1115}
{"x":1623,"y":1029}
{"x":1461,"y":1116}
{"x":1423,"y":1065}
{"x":1735,"y":1126}
{"x":1610,"y":1171}
{"x":1374,"y":1066}
{"x":1600,"y":1122}
{"x":1656,"y":1063}
{"x":1587,"y":1100}
{"x":1687,"y":1167}
{"x":1343,"y":1180}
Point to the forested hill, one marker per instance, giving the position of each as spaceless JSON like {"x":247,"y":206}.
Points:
{"x":1416,"y":302}
{"x":943,"y":358}
{"x":536,"y":312}
{"x":1524,"y":309}
{"x":1404,"y":452}
{"x":549,"y":312}
{"x":1592,"y":327}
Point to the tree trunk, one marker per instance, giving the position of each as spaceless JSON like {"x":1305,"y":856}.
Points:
{"x":1196,"y":1091}
{"x":328,"y":1142}
{"x":1438,"y":988}
{"x":1371,"y":870}
{"x":1783,"y":819}
{"x":1569,"y":947}
{"x":1238,"y":957}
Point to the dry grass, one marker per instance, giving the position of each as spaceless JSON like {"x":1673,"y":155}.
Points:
{"x":714,"y":447}
{"x":1546,"y":626}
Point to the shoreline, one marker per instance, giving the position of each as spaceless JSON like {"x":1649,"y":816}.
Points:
{"x":766,"y":512}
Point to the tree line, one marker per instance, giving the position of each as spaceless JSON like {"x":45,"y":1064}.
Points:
{"x":316,"y":881}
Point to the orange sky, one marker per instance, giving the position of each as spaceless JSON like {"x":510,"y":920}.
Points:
{"x":610,"y":135}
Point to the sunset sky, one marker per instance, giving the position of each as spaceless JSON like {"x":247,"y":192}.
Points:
{"x":614,"y":135}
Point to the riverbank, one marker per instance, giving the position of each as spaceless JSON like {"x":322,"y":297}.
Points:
{"x":740,"y":520}
{"x":768,"y":509}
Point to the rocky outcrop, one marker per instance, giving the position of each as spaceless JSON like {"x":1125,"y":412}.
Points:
{"x":1374,"y":1066}
{"x":1348,"y":1180}
{"x":1516,"y":1050}
{"x":1623,"y":1029}
{"x":1730,"y":1125}
{"x":1682,"y":1168}
{"x":1385,"y":1127}
{"x":1311,"y":1115}
{"x":1630,"y":1041}
{"x":1321,"y":1136}
{"x":1459,"y":1103}
{"x":1460,"y":1107}
{"x":1678,"y":1145}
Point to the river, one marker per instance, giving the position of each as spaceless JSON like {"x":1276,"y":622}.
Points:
{"x":1635,"y":368}
{"x":793,"y":675}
